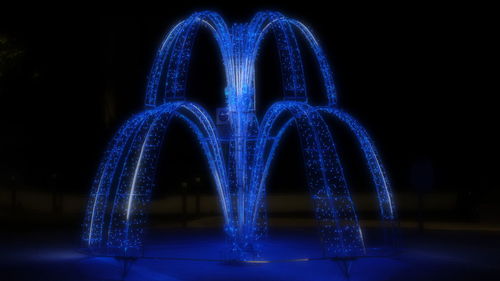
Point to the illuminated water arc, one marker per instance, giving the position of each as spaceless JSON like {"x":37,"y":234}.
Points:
{"x":107,"y":170}
{"x":204,"y":132}
{"x":136,"y":171}
{"x":118,"y":225}
{"x":289,"y":53}
{"x":177,"y":60}
{"x":379,"y":177}
{"x":164,"y":116}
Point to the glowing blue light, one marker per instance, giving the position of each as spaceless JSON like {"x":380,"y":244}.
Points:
{"x":240,"y":162}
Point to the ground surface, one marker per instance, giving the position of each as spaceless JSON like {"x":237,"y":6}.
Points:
{"x":190,"y":255}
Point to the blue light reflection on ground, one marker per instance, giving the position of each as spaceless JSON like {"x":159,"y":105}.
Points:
{"x":438,"y":255}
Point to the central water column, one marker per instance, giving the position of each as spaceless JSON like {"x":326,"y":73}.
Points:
{"x":241,"y":141}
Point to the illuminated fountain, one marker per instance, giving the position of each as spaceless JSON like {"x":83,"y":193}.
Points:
{"x":239,"y":162}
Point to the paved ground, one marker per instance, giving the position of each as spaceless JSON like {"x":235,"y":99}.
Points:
{"x":435,"y":255}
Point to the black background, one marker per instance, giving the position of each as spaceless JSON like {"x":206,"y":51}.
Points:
{"x":416,"y":76}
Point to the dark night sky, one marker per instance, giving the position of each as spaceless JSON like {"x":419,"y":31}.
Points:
{"x":415,"y":76}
